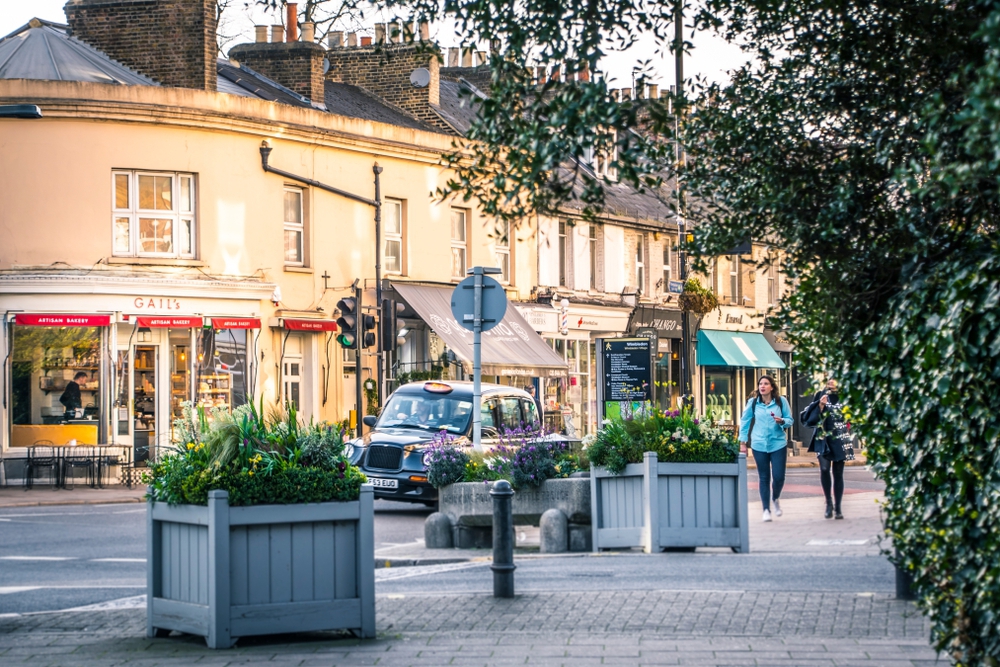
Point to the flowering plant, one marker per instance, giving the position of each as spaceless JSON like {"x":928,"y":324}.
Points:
{"x":524,"y":457}
{"x":257,"y":460}
{"x":675,"y":435}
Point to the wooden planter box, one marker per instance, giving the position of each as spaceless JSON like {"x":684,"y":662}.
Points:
{"x":226,"y":572}
{"x":654,"y":505}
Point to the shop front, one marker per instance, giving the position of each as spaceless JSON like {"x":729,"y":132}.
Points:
{"x":92,"y":367}
{"x":512,"y":352}
{"x":569,"y":403}
{"x":732,"y":354}
{"x":668,"y":326}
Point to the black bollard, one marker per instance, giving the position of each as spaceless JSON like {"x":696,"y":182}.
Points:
{"x":503,"y":540}
{"x":904,"y":583}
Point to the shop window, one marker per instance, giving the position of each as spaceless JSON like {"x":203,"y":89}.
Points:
{"x":153,"y":214}
{"x":459,"y":243}
{"x":55,"y":384}
{"x":719,"y":396}
{"x":502,"y":245}
{"x":222,"y":368}
{"x":294,"y":227}
{"x":393,"y":227}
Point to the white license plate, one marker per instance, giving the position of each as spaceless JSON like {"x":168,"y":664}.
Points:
{"x":383,"y":483}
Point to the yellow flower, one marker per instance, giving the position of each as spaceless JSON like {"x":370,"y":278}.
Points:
{"x":251,"y":473}
{"x":190,"y":445}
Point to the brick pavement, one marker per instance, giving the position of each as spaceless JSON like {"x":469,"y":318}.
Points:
{"x":580,"y":628}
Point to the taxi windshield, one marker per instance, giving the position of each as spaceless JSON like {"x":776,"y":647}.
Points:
{"x":432,"y":412}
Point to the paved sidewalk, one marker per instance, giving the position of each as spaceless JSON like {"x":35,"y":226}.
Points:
{"x":598,"y":628}
{"x":17,"y":496}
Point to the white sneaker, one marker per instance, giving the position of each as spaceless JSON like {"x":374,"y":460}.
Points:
{"x":767,"y":516}
{"x":777,"y":508}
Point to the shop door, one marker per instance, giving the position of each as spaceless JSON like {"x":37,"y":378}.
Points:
{"x":144,"y":401}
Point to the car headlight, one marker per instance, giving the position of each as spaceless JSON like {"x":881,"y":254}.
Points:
{"x":426,"y":459}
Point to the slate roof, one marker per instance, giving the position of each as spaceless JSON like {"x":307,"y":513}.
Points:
{"x":244,"y":81}
{"x":458,"y":104}
{"x":43,"y":50}
{"x":353,"y":102}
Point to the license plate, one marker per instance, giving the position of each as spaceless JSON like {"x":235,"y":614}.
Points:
{"x":383,"y":483}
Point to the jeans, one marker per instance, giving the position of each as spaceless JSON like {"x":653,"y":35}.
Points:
{"x":836,"y":468}
{"x":771,"y":473}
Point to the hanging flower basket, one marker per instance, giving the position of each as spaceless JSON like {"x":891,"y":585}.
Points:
{"x":697,"y":299}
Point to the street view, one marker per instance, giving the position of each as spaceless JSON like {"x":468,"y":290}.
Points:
{"x":494,"y":333}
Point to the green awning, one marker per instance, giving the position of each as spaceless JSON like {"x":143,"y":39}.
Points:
{"x":736,"y":348}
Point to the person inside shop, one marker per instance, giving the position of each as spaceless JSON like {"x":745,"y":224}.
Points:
{"x":764,"y":421}
{"x":832,"y":443}
{"x":530,"y":388}
{"x":71,"y":398}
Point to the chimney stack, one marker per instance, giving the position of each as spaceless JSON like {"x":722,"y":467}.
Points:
{"x":172,"y":42}
{"x":292,"y":21}
{"x":297,"y":65}
{"x":654,"y":91}
{"x":424,"y":30}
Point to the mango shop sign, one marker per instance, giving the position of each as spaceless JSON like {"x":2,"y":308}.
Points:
{"x":666,"y":322}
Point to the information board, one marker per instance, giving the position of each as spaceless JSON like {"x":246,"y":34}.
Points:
{"x":627,"y":366}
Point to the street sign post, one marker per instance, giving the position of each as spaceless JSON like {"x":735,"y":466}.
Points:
{"x":478,"y":304}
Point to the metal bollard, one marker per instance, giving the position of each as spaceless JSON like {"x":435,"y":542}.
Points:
{"x":503,"y":540}
{"x":904,"y":583}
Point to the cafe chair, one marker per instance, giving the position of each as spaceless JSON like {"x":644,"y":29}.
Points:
{"x":75,"y":459}
{"x":41,"y":456}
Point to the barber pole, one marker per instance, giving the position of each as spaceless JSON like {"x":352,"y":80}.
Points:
{"x":564,"y":317}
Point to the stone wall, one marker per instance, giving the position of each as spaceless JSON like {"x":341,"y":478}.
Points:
{"x":384,"y":71}
{"x":297,"y":66}
{"x":170,"y":41}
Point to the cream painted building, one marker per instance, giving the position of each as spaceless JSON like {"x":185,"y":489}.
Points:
{"x":147,"y":258}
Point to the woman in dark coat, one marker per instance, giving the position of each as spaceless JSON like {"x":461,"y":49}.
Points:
{"x":832,"y":443}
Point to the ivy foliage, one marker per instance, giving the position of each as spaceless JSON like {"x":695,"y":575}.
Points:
{"x":861,"y":140}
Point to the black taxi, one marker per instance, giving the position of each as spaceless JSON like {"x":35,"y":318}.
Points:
{"x":392,"y":455}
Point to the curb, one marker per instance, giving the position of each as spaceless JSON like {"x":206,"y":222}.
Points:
{"x":53,"y":503}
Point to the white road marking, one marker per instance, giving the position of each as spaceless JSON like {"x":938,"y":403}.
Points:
{"x":45,"y":558}
{"x":134,"y":602}
{"x":117,"y":560}
{"x":393,"y":573}
{"x":18,"y":589}
{"x":5,"y":590}
{"x":837,"y":543}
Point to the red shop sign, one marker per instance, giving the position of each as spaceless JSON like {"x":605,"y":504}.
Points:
{"x":154,"y":322}
{"x":236,"y":323}
{"x":62,"y":320}
{"x":310,"y":325}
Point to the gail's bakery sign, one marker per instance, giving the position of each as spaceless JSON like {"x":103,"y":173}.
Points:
{"x":148,"y":303}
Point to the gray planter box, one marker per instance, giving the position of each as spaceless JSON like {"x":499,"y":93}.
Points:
{"x":654,"y":505}
{"x":226,"y":572}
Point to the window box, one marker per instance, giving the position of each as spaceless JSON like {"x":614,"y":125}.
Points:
{"x":226,"y":572}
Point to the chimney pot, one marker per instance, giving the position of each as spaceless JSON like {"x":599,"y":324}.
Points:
{"x":352,"y":39}
{"x":584,"y":73}
{"x":277,"y":33}
{"x":425,"y":31}
{"x":395,"y":32}
{"x":335,"y":40}
{"x":640,"y":91}
{"x":480,"y":58}
{"x":540,"y":75}
{"x":466,"y":56}
{"x":555,"y":73}
{"x":452,"y":57}
{"x":309,"y":32}
{"x":615,"y":94}
{"x":626,"y":94}
{"x":292,"y":21}
{"x":260,"y":33}
{"x":366,"y":41}
{"x":654,"y":91}
{"x":379,"y":33}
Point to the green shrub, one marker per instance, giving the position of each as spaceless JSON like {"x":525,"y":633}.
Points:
{"x":676,"y":437}
{"x":257,"y":460}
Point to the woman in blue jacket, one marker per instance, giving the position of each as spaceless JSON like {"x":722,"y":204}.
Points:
{"x":763,"y":423}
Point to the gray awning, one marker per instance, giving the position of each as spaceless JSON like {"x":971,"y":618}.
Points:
{"x":512,"y":348}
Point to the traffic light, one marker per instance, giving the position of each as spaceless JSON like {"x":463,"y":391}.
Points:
{"x":391,"y":325}
{"x":348,"y":322}
{"x":367,"y":333}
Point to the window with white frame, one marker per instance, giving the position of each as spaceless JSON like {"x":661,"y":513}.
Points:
{"x":292,"y":381}
{"x":154,"y":214}
{"x":602,"y":156}
{"x":593,"y":256}
{"x":564,"y":254}
{"x":459,"y":244}
{"x":640,"y":262}
{"x":667,"y":267}
{"x":502,"y":245}
{"x":772,"y":280}
{"x":392,"y":235}
{"x":294,"y":227}
{"x":728,"y":274}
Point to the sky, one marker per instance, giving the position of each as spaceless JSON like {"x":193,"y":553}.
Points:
{"x":711,"y":57}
